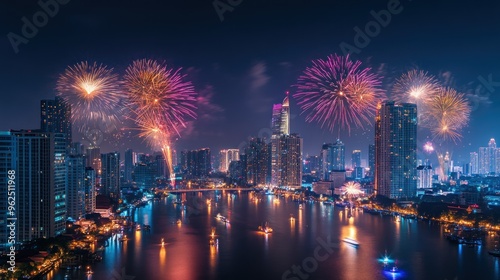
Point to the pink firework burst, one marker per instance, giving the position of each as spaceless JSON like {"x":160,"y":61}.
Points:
{"x":337,"y":91}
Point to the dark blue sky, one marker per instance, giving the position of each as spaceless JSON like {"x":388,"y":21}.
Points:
{"x":245,"y":63}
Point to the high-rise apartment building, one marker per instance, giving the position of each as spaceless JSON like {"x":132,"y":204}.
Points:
{"x":55,"y":116}
{"x":371,"y":159}
{"x":289,"y":162}
{"x":90,"y":190}
{"x":396,"y":149}
{"x":474,"y":163}
{"x":337,"y":156}
{"x":285,"y":149}
{"x":110,"y":175}
{"x":256,"y":162}
{"x":75,"y":186}
{"x":226,"y":157}
{"x":93,"y":158}
{"x":356,"y":159}
{"x":8,"y":164}
{"x":41,"y":184}
{"x":424,"y":177}
{"x":198,"y":163}
{"x":487,"y":158}
{"x":129,"y":166}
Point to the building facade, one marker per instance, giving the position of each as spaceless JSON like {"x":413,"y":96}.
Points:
{"x":55,"y":117}
{"x":75,"y":186}
{"x":256,"y":162}
{"x":396,"y":149}
{"x":110,"y":175}
{"x":8,"y":163}
{"x":41,"y":183}
{"x":226,"y":157}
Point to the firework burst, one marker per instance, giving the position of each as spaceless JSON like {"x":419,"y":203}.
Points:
{"x":428,"y":147}
{"x":93,"y":92}
{"x":154,"y":89}
{"x":161,"y":101}
{"x":339,"y":92}
{"x":352,"y":189}
{"x":415,"y":86}
{"x":418,"y":87}
{"x":450,"y":112}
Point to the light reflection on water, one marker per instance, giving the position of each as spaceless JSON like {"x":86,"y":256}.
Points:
{"x":242,"y":252}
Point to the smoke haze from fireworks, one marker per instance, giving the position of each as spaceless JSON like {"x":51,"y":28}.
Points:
{"x":339,"y":92}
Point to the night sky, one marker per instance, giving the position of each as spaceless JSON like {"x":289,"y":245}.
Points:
{"x":246,"y":62}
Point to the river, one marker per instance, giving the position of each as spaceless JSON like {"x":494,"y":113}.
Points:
{"x":305,"y":244}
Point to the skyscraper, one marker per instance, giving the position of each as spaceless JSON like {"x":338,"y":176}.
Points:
{"x":129,"y":166}
{"x":110,"y":178}
{"x":492,"y":155}
{"x":371,"y":159}
{"x":396,"y":149}
{"x":356,"y":159}
{"x":55,"y":116}
{"x":93,"y":159}
{"x":424,"y":177}
{"x":280,"y":122}
{"x":8,"y":162}
{"x":338,"y":156}
{"x":256,"y":159}
{"x":76,"y":148}
{"x":326,"y":161}
{"x":90,"y":189}
{"x":289,"y":162}
{"x":226,"y":157}
{"x":75,"y":186}
{"x":41,"y":182}
{"x":474,"y":163}
{"x":488,"y":158}
{"x":312,"y":165}
{"x":198,"y":163}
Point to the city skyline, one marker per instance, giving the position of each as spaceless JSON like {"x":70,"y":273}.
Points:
{"x":237,"y":139}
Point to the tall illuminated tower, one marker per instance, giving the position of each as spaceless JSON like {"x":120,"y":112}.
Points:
{"x":41,"y":184}
{"x":55,"y":116}
{"x":226,"y":157}
{"x":286,"y":148}
{"x":396,"y":150}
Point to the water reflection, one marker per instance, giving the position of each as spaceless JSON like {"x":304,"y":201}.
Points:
{"x":239,"y":251}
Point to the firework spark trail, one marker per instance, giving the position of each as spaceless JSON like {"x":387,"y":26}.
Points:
{"x":160,"y":102}
{"x":339,"y":92}
{"x":93,"y":92}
